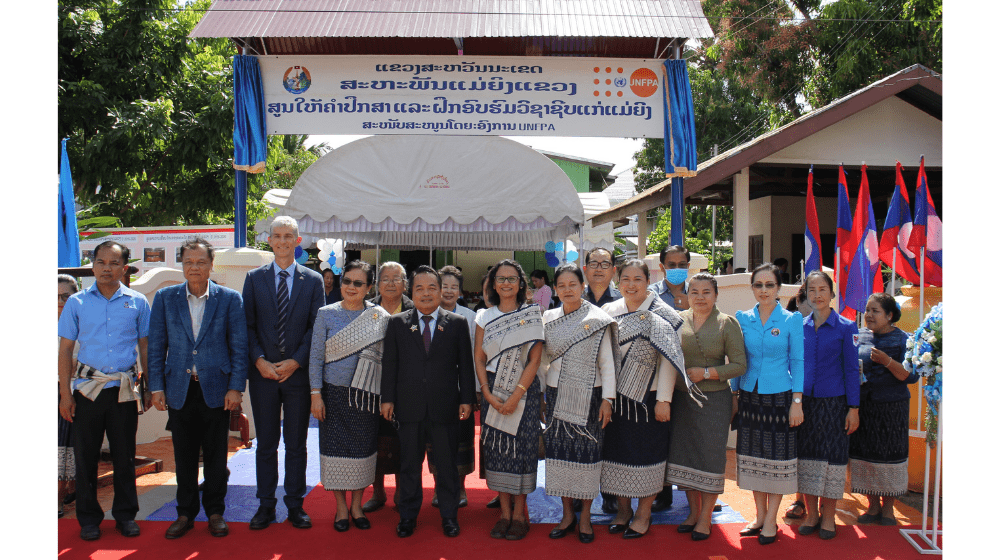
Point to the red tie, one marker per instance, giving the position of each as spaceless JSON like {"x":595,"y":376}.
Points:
{"x":427,"y":332}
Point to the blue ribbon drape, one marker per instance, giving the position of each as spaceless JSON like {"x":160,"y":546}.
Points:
{"x":680,"y":147}
{"x":69,"y":237}
{"x":249,"y":136}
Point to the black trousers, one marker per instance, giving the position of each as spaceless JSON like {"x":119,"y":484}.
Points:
{"x":413,"y":439}
{"x":105,"y":415}
{"x":268,"y":397}
{"x":199,"y":428}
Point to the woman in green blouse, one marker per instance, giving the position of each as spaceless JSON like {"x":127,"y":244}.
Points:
{"x":697,"y":459}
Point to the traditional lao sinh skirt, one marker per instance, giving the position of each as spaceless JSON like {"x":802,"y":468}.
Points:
{"x":347,"y":442}
{"x":879,"y":449}
{"x":823,"y":447}
{"x":766,"y":459}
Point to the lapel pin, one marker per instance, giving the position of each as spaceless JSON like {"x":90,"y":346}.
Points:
{"x":642,"y":316}
{"x":375,"y":316}
{"x":440,"y":328}
{"x":586,"y":327}
{"x":522,"y":321}
{"x":413,"y":328}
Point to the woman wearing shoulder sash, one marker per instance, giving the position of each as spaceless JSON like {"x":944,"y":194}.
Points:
{"x":507,"y":359}
{"x":638,"y":439}
{"x":698,"y":442}
{"x":345,"y":374}
{"x":581,"y":347}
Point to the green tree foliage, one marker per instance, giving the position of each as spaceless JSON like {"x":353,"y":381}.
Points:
{"x":149,"y":112}
{"x":698,"y":226}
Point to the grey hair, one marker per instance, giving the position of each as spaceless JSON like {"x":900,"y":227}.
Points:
{"x":393,"y":265}
{"x":284,"y":221}
{"x":69,"y":281}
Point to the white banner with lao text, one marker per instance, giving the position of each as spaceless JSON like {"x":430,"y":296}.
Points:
{"x":510,"y":96}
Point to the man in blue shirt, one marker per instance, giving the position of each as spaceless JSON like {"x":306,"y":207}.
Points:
{"x":109,"y":321}
{"x":674,"y":263}
{"x":599,"y":268}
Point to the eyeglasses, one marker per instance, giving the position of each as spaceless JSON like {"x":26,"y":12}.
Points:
{"x":676,"y":265}
{"x":391,"y":281}
{"x":64,"y":297}
{"x":355,"y":283}
{"x":764,"y":285}
{"x":508,"y":279}
{"x":602,"y":265}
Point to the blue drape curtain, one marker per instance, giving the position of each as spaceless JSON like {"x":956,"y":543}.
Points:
{"x":249,"y":135}
{"x":69,"y":238}
{"x":680,"y":147}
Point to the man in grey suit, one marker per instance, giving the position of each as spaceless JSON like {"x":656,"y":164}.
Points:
{"x":428,"y":385}
{"x":197,"y":366}
{"x":281,"y":300}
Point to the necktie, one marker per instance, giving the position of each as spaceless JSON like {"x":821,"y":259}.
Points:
{"x":282,"y":308}
{"x":427,"y":332}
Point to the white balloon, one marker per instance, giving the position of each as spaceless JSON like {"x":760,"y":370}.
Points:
{"x":324,"y":256}
{"x":322,"y":245}
{"x":324,"y":265}
{"x":560,"y":254}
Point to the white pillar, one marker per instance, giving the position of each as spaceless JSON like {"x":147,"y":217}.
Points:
{"x":741,"y":219}
{"x":643,"y":224}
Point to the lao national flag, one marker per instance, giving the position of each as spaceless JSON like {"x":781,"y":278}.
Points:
{"x":844,"y":228}
{"x":865,"y":275}
{"x":896,"y":233}
{"x":926,"y":231}
{"x":814,"y":256}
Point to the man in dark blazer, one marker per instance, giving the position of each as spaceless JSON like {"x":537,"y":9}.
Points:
{"x":197,"y":367}
{"x":281,"y":300}
{"x":428,"y":384}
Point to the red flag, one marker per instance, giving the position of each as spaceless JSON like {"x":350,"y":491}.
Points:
{"x":927,"y":231}
{"x":896,"y":232}
{"x":865,"y":274}
{"x":814,"y":254}
{"x":844,"y":228}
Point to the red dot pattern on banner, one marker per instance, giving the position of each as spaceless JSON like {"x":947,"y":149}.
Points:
{"x":607,"y":81}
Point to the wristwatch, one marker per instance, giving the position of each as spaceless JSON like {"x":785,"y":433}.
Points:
{"x":797,"y":400}
{"x":706,"y":374}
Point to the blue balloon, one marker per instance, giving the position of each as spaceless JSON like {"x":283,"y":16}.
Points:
{"x":301,"y":259}
{"x":337,"y":270}
{"x":559,"y":246}
{"x":550,"y":246}
{"x":551,"y":260}
{"x":298,"y":252}
{"x":572,"y":256}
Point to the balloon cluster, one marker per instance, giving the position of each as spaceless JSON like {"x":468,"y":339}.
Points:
{"x":557,"y":253}
{"x":301,"y":256}
{"x":331,"y":255}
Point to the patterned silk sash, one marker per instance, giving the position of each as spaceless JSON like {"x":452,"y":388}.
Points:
{"x":652,"y":333}
{"x":576,"y":338}
{"x":363,"y":335}
{"x":510,"y":336}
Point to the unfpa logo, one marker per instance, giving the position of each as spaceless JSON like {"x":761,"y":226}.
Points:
{"x":643,"y":82}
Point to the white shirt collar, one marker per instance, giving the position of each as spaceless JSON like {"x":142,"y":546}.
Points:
{"x":187,"y":288}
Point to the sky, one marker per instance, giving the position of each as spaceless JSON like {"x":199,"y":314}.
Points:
{"x":619,"y":151}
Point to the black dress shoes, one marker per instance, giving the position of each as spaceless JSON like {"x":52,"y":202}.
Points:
{"x":263,"y":518}
{"x":750,"y":532}
{"x":362,"y":523}
{"x":342,"y":525}
{"x":663,"y":500}
{"x":463,"y":502}
{"x":178,"y":528}
{"x":696,"y":536}
{"x":494,"y":503}
{"x":558,"y":533}
{"x":632,"y":534}
{"x":586,"y":538}
{"x":299,"y":518}
{"x":127,"y":528}
{"x":405,"y":527}
{"x":217,"y":526}
{"x":450,"y":527}
{"x":685,"y":528}
{"x":609,"y":503}
{"x":767,"y":540}
{"x":372,"y":505}
{"x":90,"y":533}
{"x":577,"y":504}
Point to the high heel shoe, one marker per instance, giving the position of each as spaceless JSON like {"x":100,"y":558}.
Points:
{"x":616,"y":528}
{"x":685,"y":528}
{"x":767,"y":540}
{"x":558,"y":533}
{"x":696,"y":536}
{"x":805,"y":530}
{"x":750,"y":531}
{"x":631,"y":533}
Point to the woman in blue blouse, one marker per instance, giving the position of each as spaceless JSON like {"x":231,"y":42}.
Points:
{"x":770,"y":402}
{"x":831,"y":394}
{"x":880,"y":447}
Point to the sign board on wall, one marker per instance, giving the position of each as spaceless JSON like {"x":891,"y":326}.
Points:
{"x":156,"y":247}
{"x":447,"y":95}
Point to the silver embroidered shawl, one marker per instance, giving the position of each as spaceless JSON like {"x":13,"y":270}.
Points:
{"x":576,"y":338}
{"x":364,"y":335}
{"x":511,"y":336}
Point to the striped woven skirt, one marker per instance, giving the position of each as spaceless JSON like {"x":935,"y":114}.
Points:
{"x":347,"y":442}
{"x":573,"y":460}
{"x":67,"y":457}
{"x":765,"y":444}
{"x":512,"y":460}
{"x":635,"y":451}
{"x":879,"y":449}
{"x":823,"y":447}
{"x":697,"y":458}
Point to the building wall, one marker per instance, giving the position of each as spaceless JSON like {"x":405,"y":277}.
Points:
{"x":788,"y":214}
{"x":760,"y":222}
{"x":578,"y":173}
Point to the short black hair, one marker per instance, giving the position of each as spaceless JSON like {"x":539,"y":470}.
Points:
{"x":543,"y":274}
{"x":767,"y":267}
{"x":522,"y":284}
{"x":586,"y":258}
{"x":425,"y":269}
{"x":705,"y":277}
{"x":358,"y":264}
{"x":112,"y":243}
{"x":450,"y":270}
{"x":193,"y":243}
{"x":674,"y":249}
{"x":820,"y":274}
{"x":638,"y":263}
{"x":888,"y":304}
{"x":330,"y":270}
{"x":570,"y":267}
{"x":780,"y":261}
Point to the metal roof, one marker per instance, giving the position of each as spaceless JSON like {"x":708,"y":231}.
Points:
{"x":448,"y":19}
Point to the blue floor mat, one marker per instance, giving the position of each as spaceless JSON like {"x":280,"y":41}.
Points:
{"x":543,"y":508}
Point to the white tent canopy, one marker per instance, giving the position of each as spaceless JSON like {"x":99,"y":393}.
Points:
{"x":592,"y":237}
{"x":449,"y":192}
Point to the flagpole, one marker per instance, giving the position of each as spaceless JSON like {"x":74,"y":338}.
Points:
{"x":892,"y":279}
{"x":921,"y":286}
{"x":802,"y":268}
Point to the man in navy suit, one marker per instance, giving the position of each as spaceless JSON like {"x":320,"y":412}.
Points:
{"x":428,"y":384}
{"x":197,"y":367}
{"x":281,"y":300}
